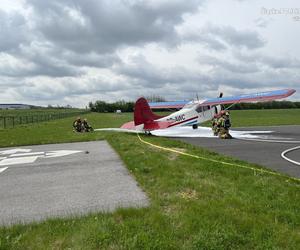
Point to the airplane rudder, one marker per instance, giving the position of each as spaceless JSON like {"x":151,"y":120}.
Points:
{"x":140,"y":108}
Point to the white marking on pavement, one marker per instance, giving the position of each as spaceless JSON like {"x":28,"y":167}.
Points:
{"x":288,"y":159}
{"x":14,"y":151}
{"x":27,"y":154}
{"x":19,"y":160}
{"x":272,"y":141}
{"x":25,"y":158}
{"x":2,"y":169}
{"x":60,"y":153}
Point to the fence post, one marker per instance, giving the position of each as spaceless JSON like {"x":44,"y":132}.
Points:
{"x":4,"y":122}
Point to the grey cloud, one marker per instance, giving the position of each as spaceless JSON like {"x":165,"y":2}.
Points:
{"x":252,"y":71}
{"x":234,"y":67}
{"x":8,"y":82}
{"x":172,"y":83}
{"x":61,"y":37}
{"x":220,"y":38}
{"x":262,"y":22}
{"x":49,"y":60}
{"x":25,"y":65}
{"x":238,"y":38}
{"x":208,"y":40}
{"x":105,"y":25}
{"x":91,"y":59}
{"x":155,"y":77}
{"x":48,"y":89}
{"x":182,"y":83}
{"x":68,"y":43}
{"x":13,"y":31}
{"x":274,"y":62}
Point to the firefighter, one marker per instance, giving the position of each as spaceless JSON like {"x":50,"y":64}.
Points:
{"x":77,"y":125}
{"x":86,"y":127}
{"x":224,"y":124}
{"x":214,"y":125}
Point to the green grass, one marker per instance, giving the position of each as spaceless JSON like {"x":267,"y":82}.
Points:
{"x":263,"y":117}
{"x":267,"y":117}
{"x":194,"y":204}
{"x":13,"y":118}
{"x":25,"y":112}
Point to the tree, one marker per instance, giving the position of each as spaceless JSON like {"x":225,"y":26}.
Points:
{"x":155,"y":98}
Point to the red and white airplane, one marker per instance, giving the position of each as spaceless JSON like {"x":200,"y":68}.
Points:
{"x":191,"y":113}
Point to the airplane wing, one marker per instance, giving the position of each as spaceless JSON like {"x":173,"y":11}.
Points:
{"x":167,"y":105}
{"x":255,"y":97}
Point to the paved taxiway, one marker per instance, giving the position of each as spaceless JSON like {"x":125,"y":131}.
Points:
{"x":37,"y":182}
{"x":265,"y":153}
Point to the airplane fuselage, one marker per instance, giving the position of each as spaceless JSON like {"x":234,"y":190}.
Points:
{"x":191,"y":114}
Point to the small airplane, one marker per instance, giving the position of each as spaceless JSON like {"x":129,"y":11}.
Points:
{"x":192,"y":113}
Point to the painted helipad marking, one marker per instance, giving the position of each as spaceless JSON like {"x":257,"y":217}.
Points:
{"x":93,"y":181}
{"x":15,"y":150}
{"x":3,"y":169}
{"x":12,"y":157}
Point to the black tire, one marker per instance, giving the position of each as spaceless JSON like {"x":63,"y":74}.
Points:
{"x":195,"y":126}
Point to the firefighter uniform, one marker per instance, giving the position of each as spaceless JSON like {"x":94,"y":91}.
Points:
{"x":224,"y":124}
{"x":86,"y":127}
{"x":77,"y":125}
{"x":214,"y":125}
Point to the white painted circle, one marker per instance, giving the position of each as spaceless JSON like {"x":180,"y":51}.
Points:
{"x":283,"y":155}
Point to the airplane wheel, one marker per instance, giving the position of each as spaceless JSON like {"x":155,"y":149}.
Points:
{"x":148,"y":133}
{"x":195,"y":126}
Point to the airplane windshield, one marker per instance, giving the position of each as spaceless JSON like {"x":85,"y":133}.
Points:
{"x":200,"y":108}
{"x":189,"y":105}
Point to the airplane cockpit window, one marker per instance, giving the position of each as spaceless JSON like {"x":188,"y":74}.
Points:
{"x":199,"y":109}
{"x":205,"y":108}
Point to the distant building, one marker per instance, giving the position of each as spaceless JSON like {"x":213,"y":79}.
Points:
{"x":14,"y":106}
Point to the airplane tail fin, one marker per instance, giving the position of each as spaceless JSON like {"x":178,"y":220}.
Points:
{"x":143,"y":113}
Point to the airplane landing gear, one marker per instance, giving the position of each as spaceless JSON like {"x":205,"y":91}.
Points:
{"x":195,"y":126}
{"x":147,"y":132}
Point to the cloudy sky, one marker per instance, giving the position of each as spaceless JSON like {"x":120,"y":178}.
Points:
{"x":75,"y":51}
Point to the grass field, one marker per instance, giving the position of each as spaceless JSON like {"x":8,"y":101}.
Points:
{"x":195,"y":204}
{"x":13,"y":118}
{"x":24,"y":112}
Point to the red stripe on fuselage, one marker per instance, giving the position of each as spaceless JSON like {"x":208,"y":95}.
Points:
{"x":174,"y":124}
